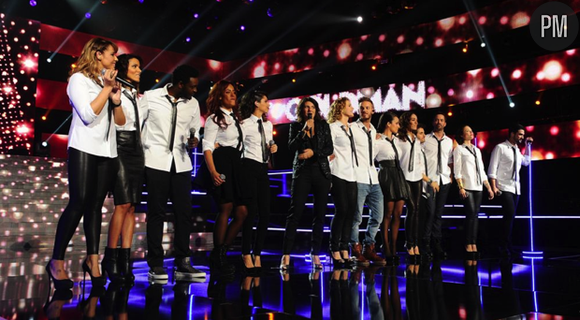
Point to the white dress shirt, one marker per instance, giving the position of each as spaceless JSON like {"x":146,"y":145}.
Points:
{"x":344,"y":162}
{"x":129,"y":110}
{"x":465,"y":167}
{"x":430,"y":147}
{"x":253,"y":138}
{"x":88,"y":131}
{"x":404,"y":149}
{"x":501,"y":166}
{"x":385,"y":149}
{"x":366,"y":172}
{"x":213,"y":133}
{"x":157,"y":130}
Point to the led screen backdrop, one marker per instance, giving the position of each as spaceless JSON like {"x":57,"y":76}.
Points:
{"x":19,"y":39}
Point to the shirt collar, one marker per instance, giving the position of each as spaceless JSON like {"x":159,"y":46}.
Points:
{"x":165,"y":92}
{"x":434,"y":136}
{"x":226,"y":111}
{"x":254,"y":118}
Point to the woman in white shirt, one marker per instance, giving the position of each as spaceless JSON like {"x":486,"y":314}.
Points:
{"x":258,"y":147}
{"x":413,"y":168}
{"x":223,"y":144}
{"x":471,"y":178}
{"x":344,"y":189}
{"x":129,"y":182}
{"x":92,"y":148}
{"x":393,"y":183}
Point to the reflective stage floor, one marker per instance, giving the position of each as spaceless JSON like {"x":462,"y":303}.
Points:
{"x":490,"y":288}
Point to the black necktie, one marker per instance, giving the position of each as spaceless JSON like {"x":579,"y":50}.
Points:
{"x":137,"y":122}
{"x":412,"y":156}
{"x":425,"y":160}
{"x":370,"y":146}
{"x":392,"y":141}
{"x":514,"y":170}
{"x":240,"y":134}
{"x":173,"y":121}
{"x":476,"y":164}
{"x":439,"y":168}
{"x":352,"y":146}
{"x":263,"y":138}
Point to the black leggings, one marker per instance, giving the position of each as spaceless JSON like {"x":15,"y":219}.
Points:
{"x":344,"y":195}
{"x":257,"y":183}
{"x":90,"y":178}
{"x":472,"y":204}
{"x":412,"y":219}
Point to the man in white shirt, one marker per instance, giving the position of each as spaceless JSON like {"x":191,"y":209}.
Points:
{"x":172,"y":124}
{"x":369,"y":189}
{"x":439,"y":154}
{"x":504,"y":166}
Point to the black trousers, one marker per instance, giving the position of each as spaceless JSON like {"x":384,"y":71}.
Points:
{"x":310,"y":179}
{"x":412,"y":219}
{"x":257,"y":184}
{"x":434,"y":208}
{"x":472,"y":204}
{"x":344,"y":195}
{"x":90,"y":178}
{"x":509,"y":203}
{"x":176,"y":186}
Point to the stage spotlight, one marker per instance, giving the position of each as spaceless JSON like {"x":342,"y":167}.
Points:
{"x":32,"y":3}
{"x":243,"y":28}
{"x":196,"y":15}
{"x":88,"y":15}
{"x":465,"y":48}
{"x":374,"y":67}
{"x":188,"y":39}
{"x":512,"y":104}
{"x":538,"y":102}
{"x":359,"y":19}
{"x":49,"y":60}
{"x":44,"y":144}
{"x":294,"y":80}
{"x":483,"y":44}
{"x":43,"y":118}
{"x":450,"y":114}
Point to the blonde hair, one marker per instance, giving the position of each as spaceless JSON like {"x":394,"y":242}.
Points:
{"x":336,"y":108}
{"x":87,"y":63}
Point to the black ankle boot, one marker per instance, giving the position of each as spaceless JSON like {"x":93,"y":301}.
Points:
{"x":124,"y":264}
{"x":218,"y":261}
{"x":109,"y":265}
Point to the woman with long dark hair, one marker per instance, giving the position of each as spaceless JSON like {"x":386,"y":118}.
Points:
{"x":258,"y":147}
{"x":95,"y":97}
{"x":411,"y":160}
{"x":311,"y":143}
{"x":471,"y":178}
{"x":131,"y":162}
{"x":223,"y":144}
{"x":393,"y":183}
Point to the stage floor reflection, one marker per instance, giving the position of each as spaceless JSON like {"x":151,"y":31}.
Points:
{"x":489,"y":288}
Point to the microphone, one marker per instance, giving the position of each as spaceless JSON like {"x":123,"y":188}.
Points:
{"x":271,"y":143}
{"x":191,"y":136}
{"x":125,"y":82}
{"x":223,"y":177}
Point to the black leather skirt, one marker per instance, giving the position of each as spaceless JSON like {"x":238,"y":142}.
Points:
{"x":129,"y":183}
{"x":392,"y":181}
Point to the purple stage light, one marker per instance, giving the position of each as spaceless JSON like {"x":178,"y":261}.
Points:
{"x":141,"y":1}
{"x":242,"y":28}
{"x":32,"y":3}
{"x":187,"y":39}
{"x":196,"y":15}
{"x":88,"y":15}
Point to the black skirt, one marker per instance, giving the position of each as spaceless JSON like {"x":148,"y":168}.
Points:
{"x":393,"y":182}
{"x":227,"y":161}
{"x":131,"y":160}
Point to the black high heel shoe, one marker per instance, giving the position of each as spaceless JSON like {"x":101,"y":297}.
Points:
{"x":95,"y":281}
{"x":84,"y":304}
{"x":59,"y":295}
{"x":63,"y":284}
{"x":247,"y":271}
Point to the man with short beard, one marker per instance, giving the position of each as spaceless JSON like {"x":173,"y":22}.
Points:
{"x":504,"y":167}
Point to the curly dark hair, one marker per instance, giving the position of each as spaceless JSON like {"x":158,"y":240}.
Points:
{"x":300,"y":116}
{"x":123,"y":66}
{"x":213,"y":103}
{"x":405,"y":122}
{"x":247,"y":103}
